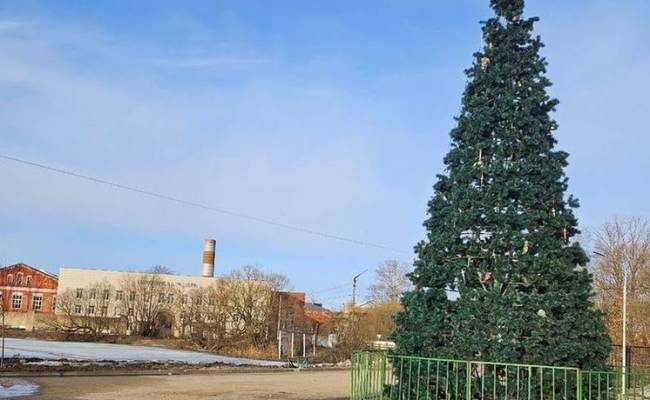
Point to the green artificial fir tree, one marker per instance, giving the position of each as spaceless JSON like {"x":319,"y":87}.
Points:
{"x":500,"y":227}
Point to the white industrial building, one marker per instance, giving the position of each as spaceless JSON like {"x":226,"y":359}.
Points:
{"x":104,"y":293}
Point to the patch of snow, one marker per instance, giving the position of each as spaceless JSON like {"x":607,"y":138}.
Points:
{"x":10,"y":388}
{"x":84,"y":351}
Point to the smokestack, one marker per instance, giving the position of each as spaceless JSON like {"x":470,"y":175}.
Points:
{"x":208,"y":258}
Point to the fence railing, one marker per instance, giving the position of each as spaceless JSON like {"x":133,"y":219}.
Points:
{"x":382,"y":376}
{"x":635,"y":356}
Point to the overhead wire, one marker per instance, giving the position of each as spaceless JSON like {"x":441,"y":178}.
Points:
{"x":219,"y":210}
{"x":333,"y":289}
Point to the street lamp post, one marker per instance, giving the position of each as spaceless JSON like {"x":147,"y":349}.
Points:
{"x":354,"y":287}
{"x":624,"y":338}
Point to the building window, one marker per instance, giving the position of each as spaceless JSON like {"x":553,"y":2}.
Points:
{"x":53,"y":303}
{"x":37,"y":302}
{"x":104,"y":311}
{"x":131,"y":296}
{"x":28,"y":281}
{"x":10,"y":279}
{"x":16,"y":301}
{"x":77,"y":309}
{"x":19,"y":279}
{"x":170,"y":298}
{"x":161,"y":298}
{"x":119,"y":295}
{"x":107,"y":294}
{"x":116,"y":312}
{"x":131,"y":312}
{"x":80,"y":293}
{"x":91,"y":310}
{"x":93,"y":293}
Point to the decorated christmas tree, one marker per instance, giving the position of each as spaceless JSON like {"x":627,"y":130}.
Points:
{"x":500,"y":226}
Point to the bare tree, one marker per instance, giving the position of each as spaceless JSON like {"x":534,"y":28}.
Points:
{"x":276,"y":280}
{"x":87,"y":311}
{"x":160,"y":270}
{"x":144,"y":298}
{"x":217,"y":313}
{"x":390,"y":282}
{"x":360,"y":326}
{"x":624,"y":243}
{"x":251,"y":304}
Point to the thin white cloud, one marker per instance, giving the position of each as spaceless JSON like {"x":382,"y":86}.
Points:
{"x":12,"y":24}
{"x":211,"y":62}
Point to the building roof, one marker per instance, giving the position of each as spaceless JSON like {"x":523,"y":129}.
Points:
{"x":23,"y":265}
{"x":317,"y":312}
{"x":315,"y":307}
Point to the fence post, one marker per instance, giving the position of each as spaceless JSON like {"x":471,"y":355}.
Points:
{"x":352,"y":375}
{"x":468,"y":381}
{"x":382,"y":372}
{"x":579,"y":384}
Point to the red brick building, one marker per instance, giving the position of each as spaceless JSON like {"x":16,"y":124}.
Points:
{"x":26,"y":290}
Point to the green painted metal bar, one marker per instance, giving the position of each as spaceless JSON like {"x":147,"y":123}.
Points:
{"x":437,"y":379}
{"x":482,"y":381}
{"x":455,"y":381}
{"x":553,"y":383}
{"x":401,"y":379}
{"x":494,"y":381}
{"x":428,"y":379}
{"x":505,"y":395}
{"x":410,"y":376}
{"x":468,"y":381}
{"x":530,"y":377}
{"x":518,"y":382}
{"x":447,"y":380}
{"x":417,"y":390}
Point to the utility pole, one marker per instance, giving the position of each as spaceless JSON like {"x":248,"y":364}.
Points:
{"x":623,"y":380}
{"x":354,"y":287}
{"x":279,"y":331}
{"x":2,"y":356}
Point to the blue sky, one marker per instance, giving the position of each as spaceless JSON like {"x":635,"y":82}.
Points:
{"x":332,"y":116}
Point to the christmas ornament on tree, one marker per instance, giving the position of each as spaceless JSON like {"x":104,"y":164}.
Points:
{"x":499,"y":228}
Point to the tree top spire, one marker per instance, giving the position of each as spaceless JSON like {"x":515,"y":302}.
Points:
{"x":509,"y":9}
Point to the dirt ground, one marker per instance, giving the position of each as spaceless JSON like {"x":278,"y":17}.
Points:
{"x":292,"y":385}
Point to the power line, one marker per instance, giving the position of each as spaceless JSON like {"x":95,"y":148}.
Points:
{"x":335,"y":297}
{"x":203,"y":206}
{"x":335,"y":288}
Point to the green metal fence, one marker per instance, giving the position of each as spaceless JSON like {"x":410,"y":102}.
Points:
{"x":382,"y":376}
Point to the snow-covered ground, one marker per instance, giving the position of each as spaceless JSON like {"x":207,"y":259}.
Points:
{"x":10,"y":388}
{"x":82,"y":351}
